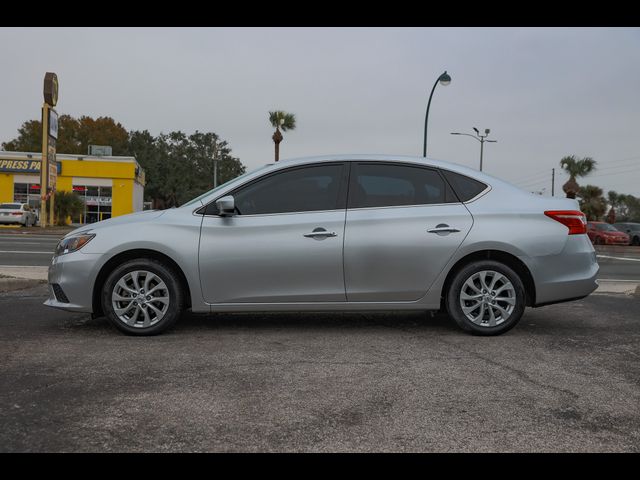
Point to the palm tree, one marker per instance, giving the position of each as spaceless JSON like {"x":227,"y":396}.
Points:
{"x":576,"y":168}
{"x":281,"y":120}
{"x":614,"y":200}
{"x":592,"y":203}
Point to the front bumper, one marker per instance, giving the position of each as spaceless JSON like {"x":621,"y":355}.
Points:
{"x":75,"y":274}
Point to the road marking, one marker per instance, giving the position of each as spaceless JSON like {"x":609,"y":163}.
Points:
{"x":25,"y":251}
{"x":28,"y":235}
{"x":24,"y":243}
{"x":25,"y":266}
{"x":620,"y":258}
{"x":617,"y":280}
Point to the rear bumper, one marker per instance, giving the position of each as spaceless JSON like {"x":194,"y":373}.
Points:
{"x":569,"y":275}
{"x":11,"y":219}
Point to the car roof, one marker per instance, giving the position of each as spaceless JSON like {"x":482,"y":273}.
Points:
{"x":370,"y":157}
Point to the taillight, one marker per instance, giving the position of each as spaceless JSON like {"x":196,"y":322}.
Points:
{"x":575,"y":220}
{"x":16,"y":213}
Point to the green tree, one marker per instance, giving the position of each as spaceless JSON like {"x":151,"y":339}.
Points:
{"x":281,"y":120}
{"x":74,"y":136}
{"x":628,"y":209}
{"x":592,"y":202}
{"x":180,"y":167}
{"x":177,"y":166}
{"x":67,"y":204}
{"x":576,"y":168}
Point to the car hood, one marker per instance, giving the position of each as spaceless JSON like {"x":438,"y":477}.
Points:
{"x":138,"y":217}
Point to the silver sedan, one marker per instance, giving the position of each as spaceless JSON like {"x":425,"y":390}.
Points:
{"x":20,"y":213}
{"x":352,"y":232}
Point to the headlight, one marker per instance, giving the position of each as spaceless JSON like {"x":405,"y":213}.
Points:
{"x":72,"y":244}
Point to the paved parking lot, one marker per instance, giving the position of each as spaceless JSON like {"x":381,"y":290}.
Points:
{"x":567,"y":378}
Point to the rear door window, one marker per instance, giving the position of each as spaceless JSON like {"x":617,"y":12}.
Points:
{"x":379,"y":184}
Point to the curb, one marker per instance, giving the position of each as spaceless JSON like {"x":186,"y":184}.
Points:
{"x":613,"y":287}
{"x":11,"y":284}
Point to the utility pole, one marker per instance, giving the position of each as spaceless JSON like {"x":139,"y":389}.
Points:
{"x":553,"y":181}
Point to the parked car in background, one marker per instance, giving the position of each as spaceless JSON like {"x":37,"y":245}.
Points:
{"x":631,"y":229}
{"x":602,"y":233}
{"x":20,"y":213}
{"x":353,"y":232}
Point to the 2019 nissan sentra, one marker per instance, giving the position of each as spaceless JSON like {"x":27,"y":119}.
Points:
{"x":353,"y":232}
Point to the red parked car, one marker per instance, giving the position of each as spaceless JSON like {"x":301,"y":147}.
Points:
{"x":601,"y":233}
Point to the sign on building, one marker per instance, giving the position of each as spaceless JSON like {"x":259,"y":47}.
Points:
{"x":100,"y":150}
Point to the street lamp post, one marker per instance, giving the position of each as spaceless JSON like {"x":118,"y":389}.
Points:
{"x":445,"y":80}
{"x":480,"y":138}
{"x":215,"y":164}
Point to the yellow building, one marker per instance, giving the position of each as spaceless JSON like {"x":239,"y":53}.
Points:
{"x":109,"y":186}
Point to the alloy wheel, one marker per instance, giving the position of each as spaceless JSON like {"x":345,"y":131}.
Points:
{"x":487,"y":298}
{"x":140,"y":299}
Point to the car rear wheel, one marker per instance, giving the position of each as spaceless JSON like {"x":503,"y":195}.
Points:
{"x":635,"y":241}
{"x":142,"y":297}
{"x":598,"y":241}
{"x":486,"y":298}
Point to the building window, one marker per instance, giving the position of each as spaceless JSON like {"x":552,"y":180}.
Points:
{"x":27,"y":193}
{"x":97,"y":202}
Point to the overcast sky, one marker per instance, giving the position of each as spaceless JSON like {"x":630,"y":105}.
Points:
{"x":544,"y":92}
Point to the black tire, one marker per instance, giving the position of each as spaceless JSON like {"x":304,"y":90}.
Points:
{"x":173,"y":287}
{"x":598,"y":241}
{"x":635,"y":241}
{"x":454,"y":308}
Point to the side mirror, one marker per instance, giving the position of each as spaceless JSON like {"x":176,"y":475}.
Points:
{"x":226,"y":206}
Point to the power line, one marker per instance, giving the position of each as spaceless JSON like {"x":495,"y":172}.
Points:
{"x":534,"y":184}
{"x":529,"y":177}
{"x":596,"y":174}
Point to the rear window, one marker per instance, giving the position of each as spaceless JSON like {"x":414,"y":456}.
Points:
{"x":605,"y":227}
{"x":465,"y":187}
{"x":10,"y":206}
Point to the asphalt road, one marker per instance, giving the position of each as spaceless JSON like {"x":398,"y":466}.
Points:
{"x":566,"y":379}
{"x":618,"y":263}
{"x":26,"y":249}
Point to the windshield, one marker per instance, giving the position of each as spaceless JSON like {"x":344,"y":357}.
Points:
{"x":605,"y":227}
{"x":10,"y":206}
{"x":220,"y":187}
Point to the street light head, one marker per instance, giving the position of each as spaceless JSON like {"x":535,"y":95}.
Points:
{"x":487,"y":131}
{"x":477,"y":131}
{"x":444,"y":79}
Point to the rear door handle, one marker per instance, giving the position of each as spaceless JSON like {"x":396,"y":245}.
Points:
{"x":319,"y":233}
{"x":443,"y":228}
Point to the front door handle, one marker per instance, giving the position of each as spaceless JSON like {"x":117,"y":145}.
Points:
{"x":320,"y":233}
{"x":443,"y":228}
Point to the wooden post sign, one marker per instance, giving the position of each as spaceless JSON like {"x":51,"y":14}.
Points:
{"x":49,"y":166}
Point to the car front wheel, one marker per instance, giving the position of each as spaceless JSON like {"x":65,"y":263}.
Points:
{"x":142,"y":297}
{"x":486,"y":298}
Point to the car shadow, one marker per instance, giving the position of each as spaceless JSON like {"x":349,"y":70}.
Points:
{"x":328,"y":320}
